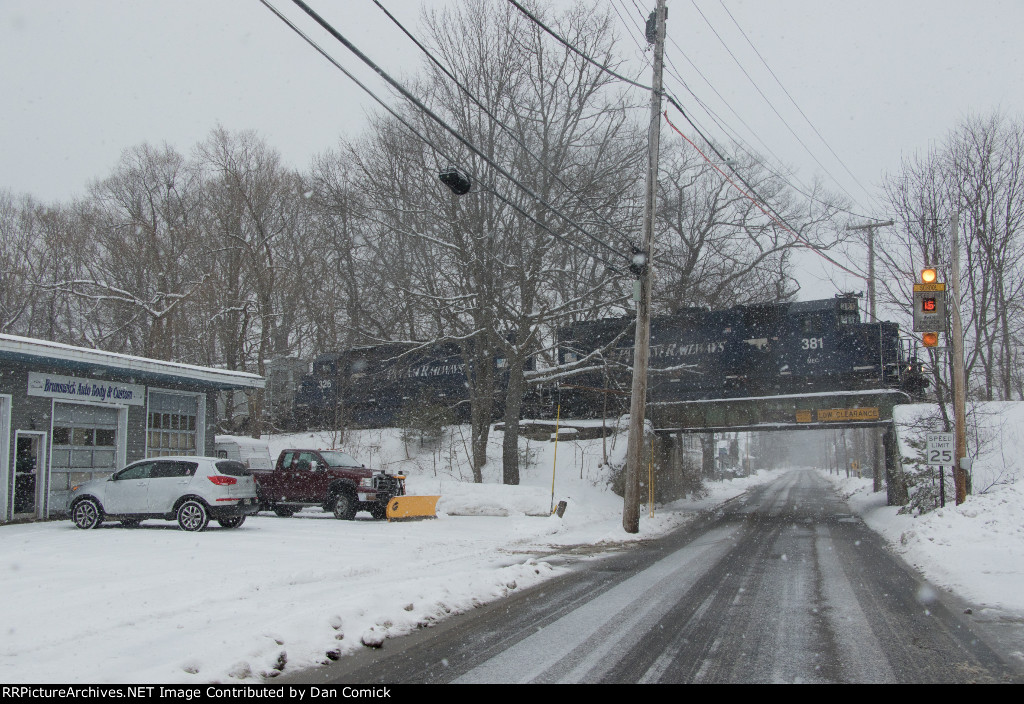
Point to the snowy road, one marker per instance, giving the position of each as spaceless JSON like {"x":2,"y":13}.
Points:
{"x":781,"y":585}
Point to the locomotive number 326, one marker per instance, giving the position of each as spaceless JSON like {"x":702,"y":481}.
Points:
{"x":813,"y":343}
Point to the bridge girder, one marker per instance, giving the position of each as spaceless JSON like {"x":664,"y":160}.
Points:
{"x":812,"y":411}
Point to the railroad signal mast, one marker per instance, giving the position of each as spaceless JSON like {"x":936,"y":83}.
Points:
{"x":930,"y":319}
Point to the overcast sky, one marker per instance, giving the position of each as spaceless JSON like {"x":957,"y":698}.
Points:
{"x":83,"y":80}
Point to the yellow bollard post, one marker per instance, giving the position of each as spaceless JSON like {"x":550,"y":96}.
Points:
{"x":650,"y":482}
{"x":558,"y":415}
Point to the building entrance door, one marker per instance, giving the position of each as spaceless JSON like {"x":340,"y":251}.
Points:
{"x":6,"y":478}
{"x":30,"y":474}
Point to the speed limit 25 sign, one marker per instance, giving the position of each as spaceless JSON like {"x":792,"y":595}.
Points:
{"x":939,"y":449}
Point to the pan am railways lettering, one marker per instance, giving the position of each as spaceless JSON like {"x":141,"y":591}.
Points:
{"x":677,"y":350}
{"x":426,"y":370}
{"x":436,"y":370}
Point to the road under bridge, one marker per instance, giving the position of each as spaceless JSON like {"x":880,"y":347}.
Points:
{"x":673,"y":421}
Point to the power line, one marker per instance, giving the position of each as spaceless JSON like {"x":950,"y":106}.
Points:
{"x":438,"y":150}
{"x":774,"y":214}
{"x":769,"y":102}
{"x":615,"y":6}
{"x":718,"y":120}
{"x":557,"y":36}
{"x":792,"y":100}
{"x":511,"y":133}
{"x":777,"y":217}
{"x":465,"y":142}
{"x":733,"y":134}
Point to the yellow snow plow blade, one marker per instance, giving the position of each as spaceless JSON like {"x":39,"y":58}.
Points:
{"x":412,"y":507}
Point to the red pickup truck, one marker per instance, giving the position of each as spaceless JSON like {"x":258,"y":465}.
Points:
{"x":327,"y":478}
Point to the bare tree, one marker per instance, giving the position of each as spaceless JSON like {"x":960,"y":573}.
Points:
{"x":977,"y":173}
{"x":256,"y":209}
{"x":135,"y":236}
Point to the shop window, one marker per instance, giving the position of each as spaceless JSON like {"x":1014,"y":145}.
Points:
{"x":171,"y":424}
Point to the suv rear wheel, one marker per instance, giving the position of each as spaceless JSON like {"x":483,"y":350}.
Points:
{"x":193,"y":516}
{"x":344,"y":506}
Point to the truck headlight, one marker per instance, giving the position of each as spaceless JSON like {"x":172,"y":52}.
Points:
{"x":366,"y":482}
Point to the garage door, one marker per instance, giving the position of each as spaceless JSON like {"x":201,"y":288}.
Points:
{"x":84,"y":448}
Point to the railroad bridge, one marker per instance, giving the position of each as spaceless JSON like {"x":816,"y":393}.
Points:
{"x":674,"y":420}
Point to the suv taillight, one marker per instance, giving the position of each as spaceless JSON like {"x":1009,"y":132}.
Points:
{"x":223,"y":481}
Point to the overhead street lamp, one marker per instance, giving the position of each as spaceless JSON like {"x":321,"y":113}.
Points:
{"x":457,"y":180}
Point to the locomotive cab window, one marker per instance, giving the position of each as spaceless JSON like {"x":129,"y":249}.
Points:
{"x":812,"y":324}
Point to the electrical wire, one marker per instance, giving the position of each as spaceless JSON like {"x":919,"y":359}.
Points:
{"x":792,"y":100}
{"x":511,"y":133}
{"x":438,"y":150}
{"x":569,"y":46}
{"x":733,"y":135}
{"x":770,"y":104}
{"x":675,"y":102}
{"x":718,"y":120}
{"x":776,"y":217}
{"x":465,"y":142}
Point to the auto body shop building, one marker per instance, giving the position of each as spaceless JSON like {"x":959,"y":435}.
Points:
{"x":70,"y":414}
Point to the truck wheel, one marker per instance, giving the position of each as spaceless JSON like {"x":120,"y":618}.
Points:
{"x":344,"y":506}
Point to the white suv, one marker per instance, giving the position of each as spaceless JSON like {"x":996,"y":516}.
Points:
{"x":190,"y":490}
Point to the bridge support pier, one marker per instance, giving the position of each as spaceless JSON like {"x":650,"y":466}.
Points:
{"x":677,"y":467}
{"x":895,"y":482}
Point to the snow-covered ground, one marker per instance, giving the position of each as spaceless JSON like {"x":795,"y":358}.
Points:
{"x":156,"y":604}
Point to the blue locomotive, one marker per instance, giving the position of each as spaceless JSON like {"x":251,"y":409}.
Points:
{"x":752,"y":350}
{"x":373,"y":386}
{"x":369,"y":386}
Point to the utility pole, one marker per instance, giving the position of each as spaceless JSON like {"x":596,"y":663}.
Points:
{"x":870,"y":227}
{"x":642,"y":268}
{"x":877,"y":451}
{"x":956,"y":346}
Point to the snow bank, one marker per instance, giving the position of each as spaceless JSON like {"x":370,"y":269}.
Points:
{"x":975,"y":549}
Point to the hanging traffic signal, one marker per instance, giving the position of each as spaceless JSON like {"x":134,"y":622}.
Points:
{"x":930,"y":339}
{"x":929,"y":276}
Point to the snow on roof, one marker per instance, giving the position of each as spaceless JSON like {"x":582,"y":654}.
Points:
{"x":31,"y":348}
